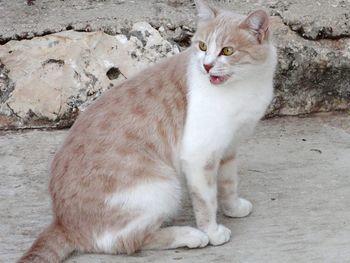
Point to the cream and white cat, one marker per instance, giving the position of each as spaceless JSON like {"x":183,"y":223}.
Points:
{"x":116,"y":179}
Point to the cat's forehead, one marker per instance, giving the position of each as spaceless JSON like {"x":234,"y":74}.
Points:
{"x":224,"y":29}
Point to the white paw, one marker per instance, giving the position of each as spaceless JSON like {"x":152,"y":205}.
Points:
{"x":240,"y":208}
{"x":219,"y":235}
{"x":196,"y":238}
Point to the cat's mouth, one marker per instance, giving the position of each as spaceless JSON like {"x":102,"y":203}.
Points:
{"x":217,"y":80}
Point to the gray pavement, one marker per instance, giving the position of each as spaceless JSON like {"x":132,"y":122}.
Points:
{"x":294,"y":170}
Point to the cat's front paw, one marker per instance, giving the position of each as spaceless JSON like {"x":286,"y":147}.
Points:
{"x":196,"y":238}
{"x":240,"y":208}
{"x":219,"y":235}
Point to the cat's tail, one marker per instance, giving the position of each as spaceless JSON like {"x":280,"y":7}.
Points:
{"x":52,"y":246}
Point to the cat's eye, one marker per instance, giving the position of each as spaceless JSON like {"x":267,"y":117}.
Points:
{"x":202,"y":46}
{"x":227,"y":51}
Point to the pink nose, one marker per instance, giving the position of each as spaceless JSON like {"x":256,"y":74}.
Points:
{"x":208,"y":67}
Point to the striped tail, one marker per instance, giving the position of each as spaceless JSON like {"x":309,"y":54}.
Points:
{"x":51,"y":246}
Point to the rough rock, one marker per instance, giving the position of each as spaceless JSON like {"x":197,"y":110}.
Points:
{"x":47,"y":80}
{"x":313,"y":20}
{"x":312,"y":76}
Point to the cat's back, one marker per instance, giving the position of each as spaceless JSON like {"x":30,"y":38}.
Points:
{"x":142,"y":97}
{"x":146,"y":112}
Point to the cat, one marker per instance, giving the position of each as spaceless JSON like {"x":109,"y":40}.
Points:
{"x":117,"y":177}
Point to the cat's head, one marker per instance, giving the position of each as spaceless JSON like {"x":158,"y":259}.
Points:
{"x":230,"y":46}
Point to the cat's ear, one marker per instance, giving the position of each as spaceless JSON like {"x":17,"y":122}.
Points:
{"x":205,"y":11}
{"x":257,"y":23}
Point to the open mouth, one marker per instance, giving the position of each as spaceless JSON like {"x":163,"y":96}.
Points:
{"x":216,"y":80}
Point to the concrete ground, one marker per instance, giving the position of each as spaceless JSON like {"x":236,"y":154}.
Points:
{"x":294,"y":170}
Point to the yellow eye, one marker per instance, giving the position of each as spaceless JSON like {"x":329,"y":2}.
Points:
{"x":227,"y":51}
{"x":202,"y":46}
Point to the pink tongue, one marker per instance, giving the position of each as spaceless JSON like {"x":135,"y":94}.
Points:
{"x":216,"y":79}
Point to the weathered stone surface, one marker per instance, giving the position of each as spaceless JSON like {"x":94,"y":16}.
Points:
{"x":312,"y":19}
{"x":320,"y":19}
{"x":47,"y":80}
{"x":312,"y":76}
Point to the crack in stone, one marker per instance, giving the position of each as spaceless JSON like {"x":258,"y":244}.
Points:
{"x":323,"y":32}
{"x":13,"y":112}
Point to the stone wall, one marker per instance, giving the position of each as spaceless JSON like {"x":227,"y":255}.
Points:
{"x":46,"y":81}
{"x":46,"y":78}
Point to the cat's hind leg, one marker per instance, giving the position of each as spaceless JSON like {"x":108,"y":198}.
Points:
{"x":232,"y":205}
{"x":175,"y":237}
{"x":138,"y":212}
{"x":126,"y":239}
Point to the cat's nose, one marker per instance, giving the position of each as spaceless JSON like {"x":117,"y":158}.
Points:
{"x":207,"y":67}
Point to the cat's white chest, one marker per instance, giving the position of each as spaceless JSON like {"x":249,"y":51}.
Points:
{"x":219,"y":116}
